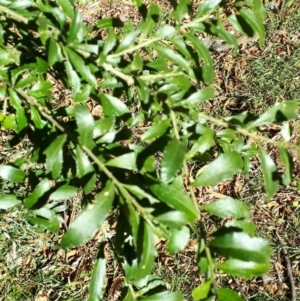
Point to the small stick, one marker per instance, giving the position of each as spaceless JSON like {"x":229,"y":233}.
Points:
{"x":288,"y":269}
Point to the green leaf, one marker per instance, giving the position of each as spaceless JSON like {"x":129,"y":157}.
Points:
{"x":165,"y":296}
{"x":127,"y":41}
{"x":20,"y":112}
{"x":63,"y":193}
{"x":88,"y":223}
{"x":201,"y":292}
{"x":200,"y":95}
{"x":103,"y":125}
{"x":73,"y":78}
{"x":83,"y":95}
{"x":176,"y":199}
{"x":203,"y":52}
{"x":110,"y":42}
{"x":76,"y":30}
{"x":97,"y":282}
{"x":239,"y":245}
{"x":156,"y":131}
{"x":81,"y":67}
{"x":269,"y":172}
{"x":9,"y":122}
{"x":67,"y":7}
{"x":84,"y":167}
{"x":85,"y":125}
{"x":145,"y":249}
{"x":286,"y":131}
{"x":54,"y":52}
{"x":174,"y":219}
{"x":175,"y":58}
{"x":288,"y":164}
{"x":244,"y":224}
{"x":12,"y":174}
{"x":166,"y":31}
{"x":174,"y":154}
{"x":221,"y":169}
{"x":126,"y":161}
{"x":244,"y":268}
{"x":255,"y":22}
{"x":284,"y":111}
{"x":226,"y":294}
{"x":8,"y":201}
{"x":83,"y":164}
{"x":37,"y":193}
{"x":105,"y":23}
{"x":178,"y":240}
{"x":54,"y":158}
{"x":227,"y":207}
{"x":203,"y":144}
{"x":45,"y":218}
{"x":113,"y":105}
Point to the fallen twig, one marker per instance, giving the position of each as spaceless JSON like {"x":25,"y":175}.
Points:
{"x":288,"y":269}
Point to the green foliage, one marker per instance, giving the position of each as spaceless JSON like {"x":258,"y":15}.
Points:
{"x":79,"y":151}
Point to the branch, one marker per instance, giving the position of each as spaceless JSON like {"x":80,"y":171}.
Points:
{"x":128,"y":197}
{"x":253,"y":135}
{"x":13,"y":14}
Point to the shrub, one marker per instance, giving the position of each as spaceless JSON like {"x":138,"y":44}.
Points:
{"x":154,"y":75}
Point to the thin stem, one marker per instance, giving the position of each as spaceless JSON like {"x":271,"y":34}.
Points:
{"x":211,"y":269}
{"x":133,"y":48}
{"x":127,"y":78}
{"x":13,"y":14}
{"x":247,"y":133}
{"x":160,"y":75}
{"x":101,"y":165}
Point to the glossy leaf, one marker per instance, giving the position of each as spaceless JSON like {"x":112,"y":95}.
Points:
{"x":269,"y":172}
{"x":244,"y":268}
{"x":63,"y":193}
{"x":46,"y":219}
{"x":281,"y":112}
{"x":255,"y":22}
{"x":166,"y":296}
{"x":174,"y":154}
{"x":73,"y":78}
{"x":54,"y":52}
{"x":8,"y":201}
{"x":156,"y":131}
{"x":113,"y":106}
{"x":37,"y":193}
{"x":225,"y":294}
{"x":54,"y":159}
{"x":178,"y":240}
{"x":201,"y":95}
{"x":76,"y":30}
{"x":20,"y":112}
{"x":127,"y":41}
{"x":239,"y":245}
{"x":227,"y":207}
{"x":12,"y":174}
{"x":85,"y":125}
{"x":146,"y":249}
{"x":88,"y":223}
{"x":81,"y":67}
{"x":221,"y":169}
{"x":97,"y":282}
{"x":203,"y":52}
{"x":126,"y":161}
{"x":176,"y":199}
{"x":204,"y":143}
{"x":244,"y":224}
{"x":176,"y":58}
{"x":288,"y":164}
{"x":201,"y":292}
